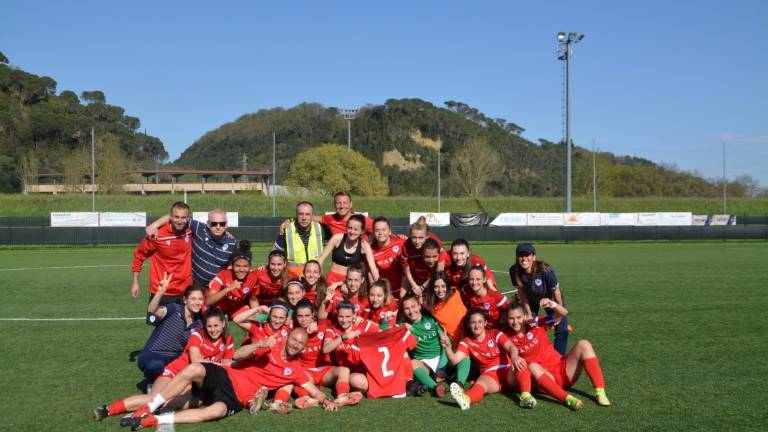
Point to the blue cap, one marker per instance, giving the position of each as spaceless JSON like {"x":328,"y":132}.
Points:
{"x":525,"y":248}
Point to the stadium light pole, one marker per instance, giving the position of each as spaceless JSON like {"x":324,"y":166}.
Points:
{"x":93,"y":171}
{"x":564,"y":52}
{"x":725,"y":183}
{"x":348,"y":115}
{"x":274,"y":174}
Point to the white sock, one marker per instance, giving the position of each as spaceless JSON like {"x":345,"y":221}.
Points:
{"x":156,"y":403}
{"x":165,"y":418}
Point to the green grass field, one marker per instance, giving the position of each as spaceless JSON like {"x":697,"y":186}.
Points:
{"x":255,"y":204}
{"x":680,"y":329}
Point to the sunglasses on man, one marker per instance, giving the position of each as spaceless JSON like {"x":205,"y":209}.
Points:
{"x":217,"y":224}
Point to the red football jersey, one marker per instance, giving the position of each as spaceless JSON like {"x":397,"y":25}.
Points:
{"x":268,"y":369}
{"x":455,"y":273}
{"x":378,"y":315}
{"x":487,"y":353}
{"x":535,"y":347}
{"x":214,"y":351}
{"x":386,"y":361}
{"x":313,"y":356}
{"x":234,"y":299}
{"x":171,"y":253}
{"x":388,"y":261}
{"x":410,"y":252}
{"x":493,"y":302}
{"x":348,"y":352}
{"x":420,"y":272}
{"x":268,"y":290}
{"x":337,"y":225}
{"x":338,"y":297}
{"x":261,"y":330}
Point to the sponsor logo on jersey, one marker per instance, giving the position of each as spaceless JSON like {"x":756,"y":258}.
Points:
{"x":284,"y":332}
{"x":427,"y":325}
{"x":486,"y":305}
{"x":529,"y":335}
{"x":225,"y":247}
{"x":221,"y":347}
{"x":246,"y":290}
{"x":538,"y":282}
{"x":287,"y":372}
{"x":395,"y":249}
{"x":383,"y":314}
{"x":490,"y":343}
{"x":320,"y":335}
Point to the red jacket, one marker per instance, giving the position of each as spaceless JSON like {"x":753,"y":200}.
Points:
{"x":171,"y":252}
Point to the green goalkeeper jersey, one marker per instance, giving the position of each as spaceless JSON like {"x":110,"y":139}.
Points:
{"x":428,"y":337}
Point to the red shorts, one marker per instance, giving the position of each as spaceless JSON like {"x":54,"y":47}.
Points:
{"x":333,"y":277}
{"x":561,"y":375}
{"x":499,"y":374}
{"x":174,"y":367}
{"x":318,"y":374}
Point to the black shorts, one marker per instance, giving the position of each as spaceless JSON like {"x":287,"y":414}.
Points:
{"x":217,"y":388}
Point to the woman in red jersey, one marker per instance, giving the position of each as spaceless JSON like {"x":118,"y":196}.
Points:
{"x":413,"y":254}
{"x":461,"y":260}
{"x":213,"y":345}
{"x":232,"y":288}
{"x":553,"y":372}
{"x":491,"y":352}
{"x":387,"y":252}
{"x":341,"y":340}
{"x":347,"y":250}
{"x":317,"y":364}
{"x":476,"y":295}
{"x":382,"y":308}
{"x":271,"y":279}
{"x":275,"y":327}
{"x":353,"y":289}
{"x":314,"y":282}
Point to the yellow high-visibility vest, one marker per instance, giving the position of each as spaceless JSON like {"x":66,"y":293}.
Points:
{"x":296,"y":252}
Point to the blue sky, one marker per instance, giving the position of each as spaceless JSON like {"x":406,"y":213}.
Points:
{"x":668,"y":81}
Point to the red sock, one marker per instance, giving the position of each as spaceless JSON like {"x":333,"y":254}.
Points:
{"x":342,"y":387}
{"x":550,"y":386}
{"x":282,"y":395}
{"x":149,"y":421}
{"x":523,"y":379}
{"x":300,"y":392}
{"x":141,"y":411}
{"x":117,"y":407}
{"x":595,"y":374}
{"x":475,"y":393}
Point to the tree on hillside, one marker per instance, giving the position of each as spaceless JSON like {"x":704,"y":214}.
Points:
{"x":95,"y":96}
{"x":332,"y":168}
{"x":75,"y":164}
{"x":28,"y":169}
{"x":474,"y":165}
{"x":110,"y":165}
{"x":3,"y":58}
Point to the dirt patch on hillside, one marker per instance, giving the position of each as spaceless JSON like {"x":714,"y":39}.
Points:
{"x":409,"y":162}
{"x":426,"y":142}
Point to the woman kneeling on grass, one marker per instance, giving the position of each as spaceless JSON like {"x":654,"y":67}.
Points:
{"x":552,"y":372}
{"x":491,"y":350}
{"x":213,"y":345}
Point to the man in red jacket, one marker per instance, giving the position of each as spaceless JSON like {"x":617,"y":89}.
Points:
{"x":170,"y":252}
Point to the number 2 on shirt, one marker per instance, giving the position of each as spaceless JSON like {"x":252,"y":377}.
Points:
{"x":384,"y":371}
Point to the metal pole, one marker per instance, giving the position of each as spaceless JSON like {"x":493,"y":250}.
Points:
{"x":594,"y":179}
{"x":439,"y":185}
{"x":349,"y":134}
{"x":274,"y":173}
{"x":93,"y":171}
{"x":725,"y":184}
{"x":568,"y":127}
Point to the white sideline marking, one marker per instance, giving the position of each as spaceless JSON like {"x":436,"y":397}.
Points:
{"x":64,"y":267}
{"x":75,"y":319}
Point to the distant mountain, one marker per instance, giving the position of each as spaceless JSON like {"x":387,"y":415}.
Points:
{"x":402,"y":136}
{"x":38,"y":124}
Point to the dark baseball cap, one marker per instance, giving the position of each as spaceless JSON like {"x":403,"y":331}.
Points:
{"x":525,"y":249}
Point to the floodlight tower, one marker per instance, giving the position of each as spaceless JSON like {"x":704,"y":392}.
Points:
{"x":348,"y":115}
{"x":564,"y":51}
